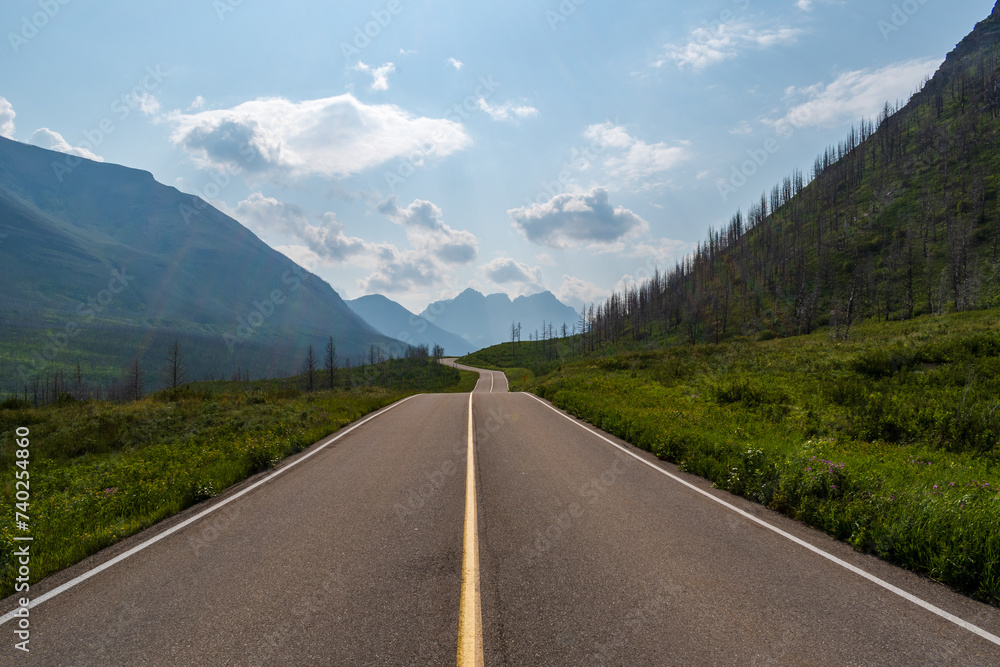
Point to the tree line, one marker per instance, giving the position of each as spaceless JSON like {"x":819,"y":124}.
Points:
{"x":899,"y":219}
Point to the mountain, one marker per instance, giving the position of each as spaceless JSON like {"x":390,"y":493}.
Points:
{"x":900,"y":219}
{"x":101,"y":264}
{"x":486,"y":320}
{"x":395,"y":321}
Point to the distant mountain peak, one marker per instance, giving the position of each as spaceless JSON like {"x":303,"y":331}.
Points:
{"x":486,"y":320}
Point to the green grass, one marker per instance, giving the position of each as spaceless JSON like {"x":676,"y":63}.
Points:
{"x":890,"y":441}
{"x":101,"y":471}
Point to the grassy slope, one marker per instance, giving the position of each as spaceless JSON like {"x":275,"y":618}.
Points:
{"x":102,"y":471}
{"x":890,"y":440}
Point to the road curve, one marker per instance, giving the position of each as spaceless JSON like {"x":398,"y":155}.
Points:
{"x":587,"y":556}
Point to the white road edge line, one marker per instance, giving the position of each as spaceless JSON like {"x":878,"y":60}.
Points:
{"x":988,"y":636}
{"x":173,"y":529}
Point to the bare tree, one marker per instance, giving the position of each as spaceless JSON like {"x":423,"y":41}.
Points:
{"x":330,"y":361}
{"x":174,"y":373}
{"x":79,"y":381}
{"x":135,"y":379}
{"x":309,"y":368}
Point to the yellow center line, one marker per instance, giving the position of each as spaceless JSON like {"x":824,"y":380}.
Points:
{"x":470,"y":619}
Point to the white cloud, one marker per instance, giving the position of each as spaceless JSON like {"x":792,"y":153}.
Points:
{"x":380,"y":74}
{"x":403,"y":271}
{"x":743,"y":128}
{"x":426,"y":231}
{"x":456,"y":63}
{"x":426,"y":265}
{"x":662,"y":253}
{"x":630,"y":162}
{"x":577,"y":220}
{"x":809,"y":5}
{"x":148,"y":104}
{"x":197,"y":103}
{"x":578,"y":293}
{"x":326,"y":241}
{"x":507,"y":271}
{"x":301,"y":255}
{"x":6,"y":118}
{"x":332,"y":137}
{"x":853,"y":95}
{"x":711,"y":45}
{"x":507,"y":110}
{"x":46,"y":138}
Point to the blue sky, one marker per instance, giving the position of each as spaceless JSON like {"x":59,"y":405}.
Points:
{"x":417,"y":148}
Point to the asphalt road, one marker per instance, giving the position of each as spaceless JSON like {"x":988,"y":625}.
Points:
{"x":587,"y":556}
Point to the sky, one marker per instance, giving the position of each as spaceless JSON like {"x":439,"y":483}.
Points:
{"x":416,"y":148}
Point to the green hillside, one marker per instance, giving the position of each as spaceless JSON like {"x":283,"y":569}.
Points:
{"x":101,"y":266}
{"x":901,"y":219}
{"x":889,"y":440}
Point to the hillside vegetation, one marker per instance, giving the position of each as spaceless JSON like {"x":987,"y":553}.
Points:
{"x":104,"y":266}
{"x":900,"y":219}
{"x":889,"y":440}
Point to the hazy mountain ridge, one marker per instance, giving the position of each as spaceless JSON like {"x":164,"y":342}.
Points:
{"x":485,"y":320}
{"x":395,"y":321}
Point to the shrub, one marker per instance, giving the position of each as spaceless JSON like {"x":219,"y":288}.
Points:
{"x":749,"y":393}
{"x":14,"y":403}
